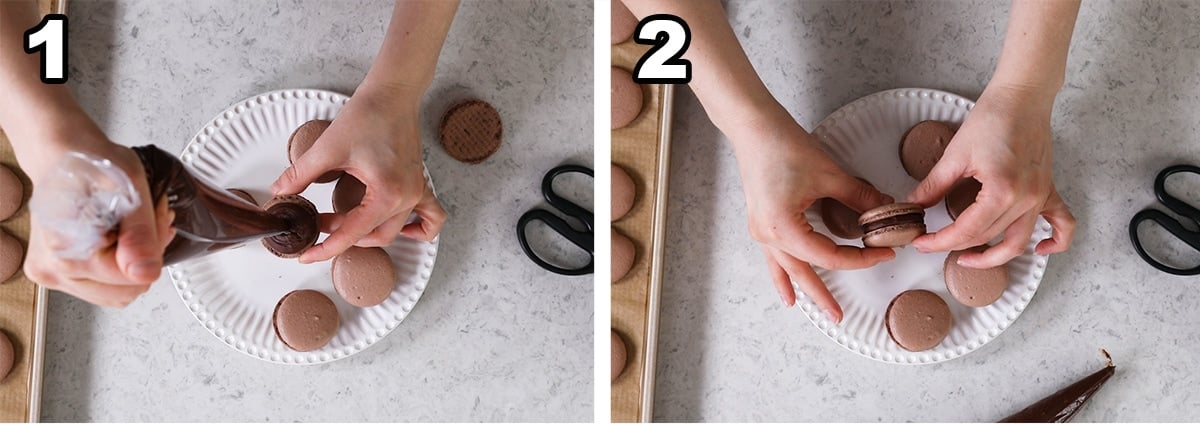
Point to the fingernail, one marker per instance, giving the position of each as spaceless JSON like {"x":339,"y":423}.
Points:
{"x":145,"y":269}
{"x":962,"y":261}
{"x":784,"y":300}
{"x":829,"y":314}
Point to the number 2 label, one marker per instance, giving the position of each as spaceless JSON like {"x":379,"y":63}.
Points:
{"x":49,"y":38}
{"x":662,"y":64}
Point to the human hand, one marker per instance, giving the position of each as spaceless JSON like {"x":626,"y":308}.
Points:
{"x":1005,"y":144}
{"x":375,"y":139}
{"x":783,"y":173}
{"x":132,"y":257}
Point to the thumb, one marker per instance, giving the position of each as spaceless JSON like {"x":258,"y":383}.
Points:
{"x":943,"y":176}
{"x":303,"y":172}
{"x":859,"y":194}
{"x":139,"y":253}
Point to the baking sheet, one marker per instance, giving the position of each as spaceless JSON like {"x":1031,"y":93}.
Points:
{"x":643,"y":150}
{"x":22,"y":303}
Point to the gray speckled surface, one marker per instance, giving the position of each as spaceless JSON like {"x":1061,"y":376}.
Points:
{"x":730,"y":352}
{"x":493,"y":338}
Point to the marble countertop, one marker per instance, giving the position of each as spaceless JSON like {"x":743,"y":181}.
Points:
{"x":728,"y":349}
{"x":493,"y":338}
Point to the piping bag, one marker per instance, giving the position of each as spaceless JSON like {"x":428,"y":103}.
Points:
{"x":1061,"y":406}
{"x":84,"y":198}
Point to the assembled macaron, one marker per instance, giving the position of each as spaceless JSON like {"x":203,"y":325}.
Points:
{"x":892,"y":225}
{"x":974,"y":287}
{"x":918,"y":320}
{"x":922,"y":147}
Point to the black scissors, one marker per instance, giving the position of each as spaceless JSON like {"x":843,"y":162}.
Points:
{"x":1172,"y":225}
{"x":583,"y":239}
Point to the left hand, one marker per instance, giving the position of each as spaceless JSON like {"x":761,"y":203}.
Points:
{"x":376,"y":138}
{"x":1005,"y":143}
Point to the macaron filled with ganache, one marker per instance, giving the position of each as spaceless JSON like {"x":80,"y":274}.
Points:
{"x":301,"y":215}
{"x":893,"y":225}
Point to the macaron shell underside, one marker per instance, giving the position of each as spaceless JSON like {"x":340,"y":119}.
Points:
{"x":12,"y":255}
{"x":626,"y":98}
{"x":840,"y":219}
{"x":8,"y":355}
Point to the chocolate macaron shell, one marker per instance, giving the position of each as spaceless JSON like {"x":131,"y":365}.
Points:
{"x":348,"y":193}
{"x":623,"y":191}
{"x":8,"y":355}
{"x":840,"y":219}
{"x":974,"y":287}
{"x":922,"y":147}
{"x":305,"y":229}
{"x":619,"y":355}
{"x":626,"y":98}
{"x":623,"y":22}
{"x":961,"y":196}
{"x":306,"y":320}
{"x":918,"y":320}
{"x":303,"y":139}
{"x":12,"y":192}
{"x":892,"y":225}
{"x":623,"y":254}
{"x":363,"y":276}
{"x":12,"y":255}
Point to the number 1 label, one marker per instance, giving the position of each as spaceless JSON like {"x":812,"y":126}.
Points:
{"x":49,"y":38}
{"x":670,"y":37}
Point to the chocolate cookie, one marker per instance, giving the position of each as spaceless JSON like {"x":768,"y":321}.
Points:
{"x":471,"y":131}
{"x":303,"y":139}
{"x":363,"y":276}
{"x":305,"y":320}
{"x":302,"y":216}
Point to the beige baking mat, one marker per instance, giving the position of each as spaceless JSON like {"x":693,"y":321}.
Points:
{"x":19,"y":298}
{"x":642,"y":149}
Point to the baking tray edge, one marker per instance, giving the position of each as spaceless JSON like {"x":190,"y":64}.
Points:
{"x":659,"y":241}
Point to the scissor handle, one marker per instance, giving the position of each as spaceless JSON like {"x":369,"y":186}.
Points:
{"x":1171,"y":202}
{"x":566,"y":206}
{"x":1192,"y":238}
{"x":583,"y":239}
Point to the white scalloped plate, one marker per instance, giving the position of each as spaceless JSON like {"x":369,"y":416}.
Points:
{"x":864,"y":137}
{"x":233,"y":293}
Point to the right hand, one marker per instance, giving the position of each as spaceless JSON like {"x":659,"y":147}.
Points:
{"x":117,"y":274}
{"x":783,"y":174}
